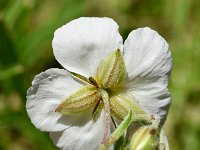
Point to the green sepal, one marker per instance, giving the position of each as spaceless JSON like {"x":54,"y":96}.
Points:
{"x":79,"y":101}
{"x":111,"y":71}
{"x":79,"y":76}
{"x":120,"y":106}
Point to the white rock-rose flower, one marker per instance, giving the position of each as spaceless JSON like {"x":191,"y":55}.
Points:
{"x":108,"y":90}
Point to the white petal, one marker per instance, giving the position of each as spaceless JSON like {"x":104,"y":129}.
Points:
{"x":164,"y":144}
{"x":48,"y":89}
{"x":153,"y":99}
{"x":85,"y":134}
{"x":146,"y":53}
{"x":148,"y":62}
{"x":81,"y":44}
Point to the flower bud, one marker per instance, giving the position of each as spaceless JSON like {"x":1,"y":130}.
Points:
{"x":145,"y":138}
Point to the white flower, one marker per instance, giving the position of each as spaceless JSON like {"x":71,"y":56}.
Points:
{"x":80,"y":46}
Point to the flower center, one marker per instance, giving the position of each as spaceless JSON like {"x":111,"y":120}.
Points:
{"x":104,"y":91}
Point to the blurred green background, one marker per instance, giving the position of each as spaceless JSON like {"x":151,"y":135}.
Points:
{"x":26,"y":32}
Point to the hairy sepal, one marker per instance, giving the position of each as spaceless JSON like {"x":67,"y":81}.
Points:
{"x":111,"y":71}
{"x":79,"y":101}
{"x":120,"y":106}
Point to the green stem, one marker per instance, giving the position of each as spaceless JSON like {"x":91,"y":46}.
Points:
{"x":120,"y":130}
{"x":146,"y":119}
